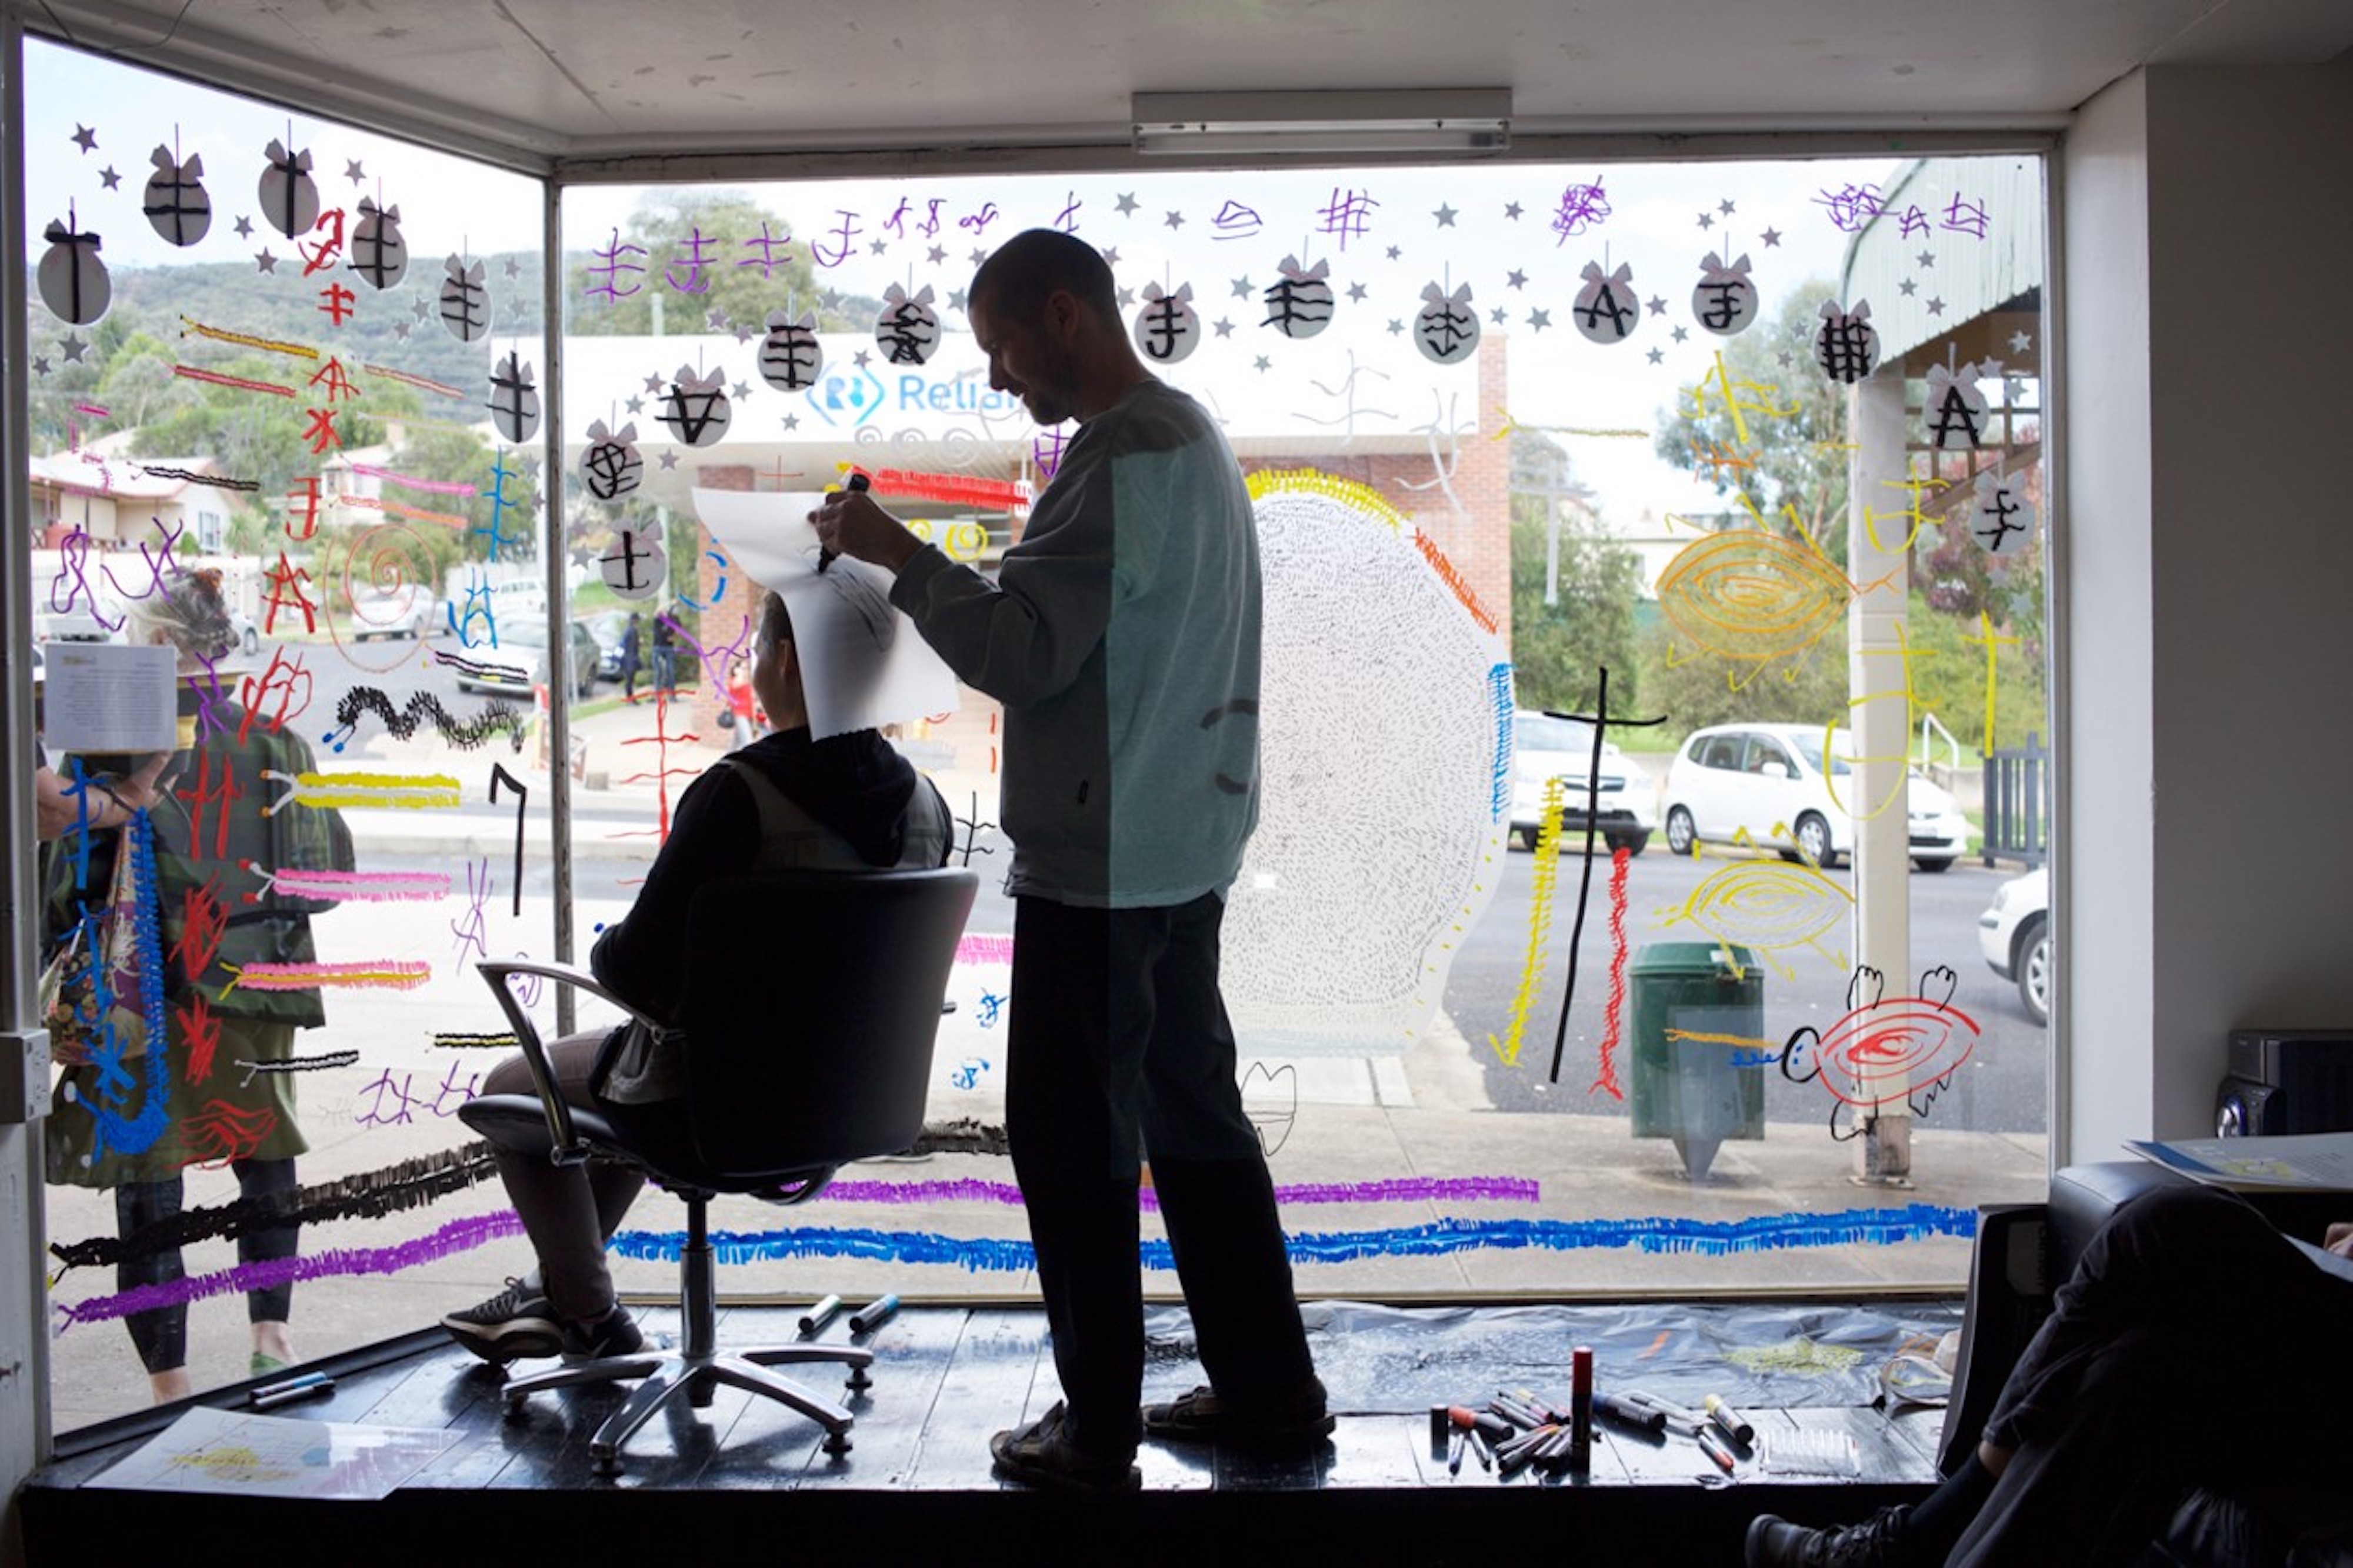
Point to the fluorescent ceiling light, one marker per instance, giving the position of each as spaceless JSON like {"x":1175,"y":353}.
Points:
{"x":1211,"y":124}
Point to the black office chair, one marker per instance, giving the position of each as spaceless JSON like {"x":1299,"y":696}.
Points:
{"x":811,"y":1004}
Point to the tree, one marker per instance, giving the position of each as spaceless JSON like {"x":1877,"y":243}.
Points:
{"x":1784,"y":458}
{"x":1559,"y":649}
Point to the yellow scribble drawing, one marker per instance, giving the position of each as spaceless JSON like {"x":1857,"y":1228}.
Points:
{"x":1993,"y":644}
{"x":1915,"y":519}
{"x":1720,"y":384}
{"x":1753,"y":597}
{"x":1547,"y":870}
{"x":1768,"y":906}
{"x":412,"y":791}
{"x":1315,"y":482}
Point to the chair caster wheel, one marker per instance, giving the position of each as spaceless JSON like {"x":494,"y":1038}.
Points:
{"x":859,"y":1381}
{"x":837,"y":1443}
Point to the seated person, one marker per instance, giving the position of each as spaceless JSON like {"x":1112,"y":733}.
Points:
{"x":849,"y":802}
{"x":2193,"y":1346}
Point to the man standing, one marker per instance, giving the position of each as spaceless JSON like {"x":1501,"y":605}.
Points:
{"x":1123,"y":637}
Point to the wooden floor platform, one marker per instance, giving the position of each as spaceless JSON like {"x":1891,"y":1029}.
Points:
{"x":916,"y":1485}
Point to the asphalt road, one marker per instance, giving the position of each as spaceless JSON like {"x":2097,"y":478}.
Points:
{"x":2002,"y":1086}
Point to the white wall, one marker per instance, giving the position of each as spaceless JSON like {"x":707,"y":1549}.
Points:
{"x":2208,"y":212}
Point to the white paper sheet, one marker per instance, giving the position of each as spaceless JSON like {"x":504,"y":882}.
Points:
{"x":106,"y":698}
{"x":863,"y":664}
{"x":208,"y":1450}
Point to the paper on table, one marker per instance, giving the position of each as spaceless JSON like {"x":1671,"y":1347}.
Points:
{"x":2320,"y":1161}
{"x":106,"y":698}
{"x":208,"y":1450}
{"x":862,"y":662}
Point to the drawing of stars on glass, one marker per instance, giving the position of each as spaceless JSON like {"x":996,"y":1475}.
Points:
{"x":465,"y":302}
{"x":1607,"y":308}
{"x":1724,"y":300}
{"x":379,"y":255}
{"x":1447,"y":329}
{"x":1299,"y":302}
{"x":695,"y":407}
{"x":177,"y":206}
{"x":1166,"y":329}
{"x":514,"y":401}
{"x":73,"y":281}
{"x":907,"y":329}
{"x":612,"y":466}
{"x":791,"y":358}
{"x":1846,"y":346}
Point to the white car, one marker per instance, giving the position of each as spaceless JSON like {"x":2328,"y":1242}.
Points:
{"x":1770,"y":783}
{"x":402,"y":611}
{"x":518,"y":661}
{"x":1544,"y":747}
{"x":2014,"y":934}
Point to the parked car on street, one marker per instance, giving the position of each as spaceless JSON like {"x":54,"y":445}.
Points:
{"x":519,"y":661}
{"x":1773,"y":783}
{"x":606,"y":626}
{"x":1543,"y":748}
{"x":405,"y":611}
{"x":2014,"y":933}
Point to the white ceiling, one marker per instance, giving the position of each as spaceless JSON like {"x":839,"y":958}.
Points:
{"x":605,"y":78}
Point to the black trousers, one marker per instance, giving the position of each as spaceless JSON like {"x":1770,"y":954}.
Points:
{"x":160,"y":1334}
{"x":2193,"y":1346}
{"x":1118,"y":1045}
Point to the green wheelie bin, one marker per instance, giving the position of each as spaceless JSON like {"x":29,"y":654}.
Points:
{"x":1699,"y":1050}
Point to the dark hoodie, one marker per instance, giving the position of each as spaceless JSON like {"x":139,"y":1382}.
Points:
{"x":854,"y":785}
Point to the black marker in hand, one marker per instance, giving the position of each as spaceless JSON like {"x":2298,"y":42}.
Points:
{"x":857,"y":481}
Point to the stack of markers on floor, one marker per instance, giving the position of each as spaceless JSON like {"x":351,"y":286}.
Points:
{"x":1518,"y":1429}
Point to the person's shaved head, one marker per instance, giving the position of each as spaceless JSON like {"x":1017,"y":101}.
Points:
{"x":1020,"y":275}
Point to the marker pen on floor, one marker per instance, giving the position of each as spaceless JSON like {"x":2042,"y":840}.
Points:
{"x":1627,"y":1413}
{"x":1730,"y":1422}
{"x":1454,"y":1450}
{"x":1714,"y":1447}
{"x":309,"y":1386}
{"x":818,"y":1315}
{"x":1580,"y":1408}
{"x":868,"y":1319}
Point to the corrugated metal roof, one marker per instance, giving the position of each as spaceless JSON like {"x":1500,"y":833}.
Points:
{"x":1937,"y":206}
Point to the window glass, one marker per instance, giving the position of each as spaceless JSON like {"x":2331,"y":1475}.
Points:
{"x":1520,"y":436}
{"x":297,"y":384}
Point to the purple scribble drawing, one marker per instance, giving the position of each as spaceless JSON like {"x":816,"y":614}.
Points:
{"x":1348,"y":215}
{"x":1067,"y":220}
{"x":1966,"y":217}
{"x":458,"y":1235}
{"x":471,"y":931}
{"x":696,"y":259}
{"x":1581,"y":208}
{"x":375,"y":1114}
{"x":846,"y":241}
{"x":1235,"y":221}
{"x":775,"y":251}
{"x":978,"y":222}
{"x":605,"y":272}
{"x":1851,"y":206}
{"x":1394,"y":1190}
